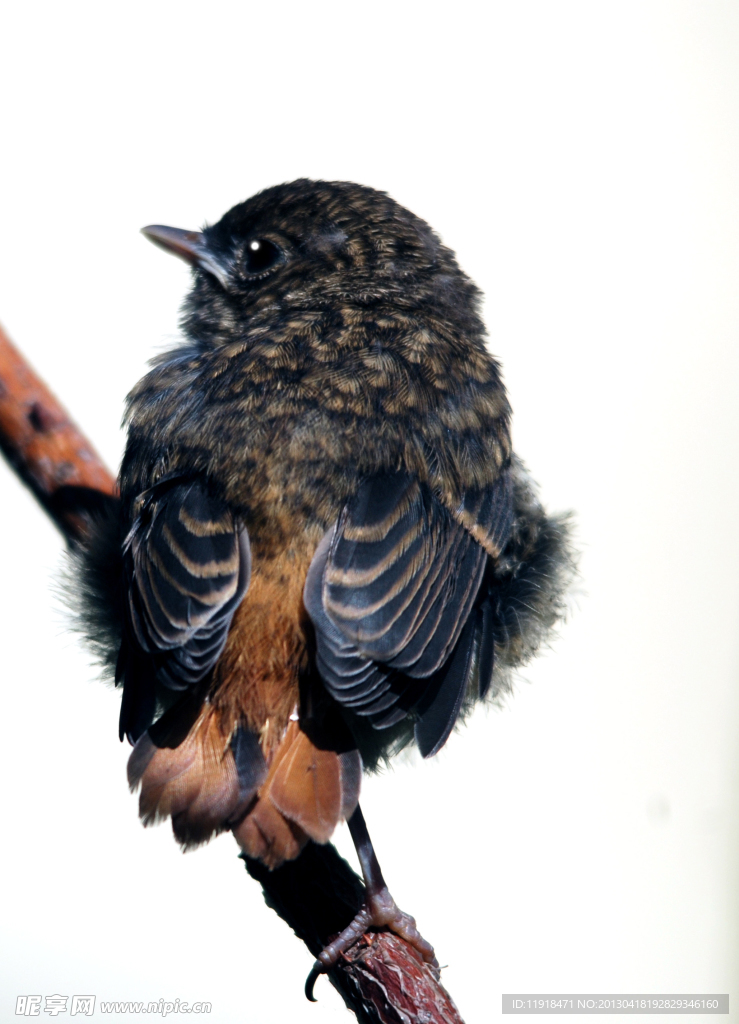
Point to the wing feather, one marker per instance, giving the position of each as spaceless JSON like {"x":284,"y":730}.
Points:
{"x":394,"y":594}
{"x":187,"y":566}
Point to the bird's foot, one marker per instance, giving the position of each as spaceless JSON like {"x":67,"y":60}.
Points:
{"x":379,"y":911}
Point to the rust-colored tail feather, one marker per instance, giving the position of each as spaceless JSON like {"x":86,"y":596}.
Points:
{"x":196,"y":783}
{"x":209,"y":781}
{"x":306,"y":785}
{"x":306,"y":793}
{"x":266,"y":835}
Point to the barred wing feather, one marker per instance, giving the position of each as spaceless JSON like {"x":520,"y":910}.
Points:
{"x":393,"y":595}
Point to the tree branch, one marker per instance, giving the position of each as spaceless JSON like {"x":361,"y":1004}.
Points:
{"x":381,"y":979}
{"x":44,"y":447}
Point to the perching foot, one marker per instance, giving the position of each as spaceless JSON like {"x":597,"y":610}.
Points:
{"x":379,"y":911}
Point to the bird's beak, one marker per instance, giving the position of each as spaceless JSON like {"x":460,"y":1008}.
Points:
{"x":190,"y":246}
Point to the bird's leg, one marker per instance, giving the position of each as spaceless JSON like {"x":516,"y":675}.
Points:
{"x":378,"y":911}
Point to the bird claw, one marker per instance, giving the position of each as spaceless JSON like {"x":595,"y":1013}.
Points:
{"x":316,"y":970}
{"x":379,"y":911}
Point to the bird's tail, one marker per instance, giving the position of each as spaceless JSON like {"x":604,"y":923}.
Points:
{"x":209,"y":779}
{"x":306,"y":793}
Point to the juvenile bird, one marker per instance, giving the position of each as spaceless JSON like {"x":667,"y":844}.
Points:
{"x":324,"y":548}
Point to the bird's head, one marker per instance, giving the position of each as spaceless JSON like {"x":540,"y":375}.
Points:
{"x":309,"y":245}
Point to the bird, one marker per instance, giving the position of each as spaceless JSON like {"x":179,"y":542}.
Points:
{"x":323,"y":548}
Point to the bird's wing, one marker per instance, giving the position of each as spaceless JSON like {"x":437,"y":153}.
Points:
{"x":393,"y":595}
{"x":487,"y":512}
{"x":187,"y":566}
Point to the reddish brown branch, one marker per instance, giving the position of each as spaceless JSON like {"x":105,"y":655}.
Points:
{"x":43,"y":445}
{"x":381,"y":978}
{"x":391,"y":981}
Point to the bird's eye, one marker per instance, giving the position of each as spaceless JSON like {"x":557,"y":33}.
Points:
{"x":262,"y":255}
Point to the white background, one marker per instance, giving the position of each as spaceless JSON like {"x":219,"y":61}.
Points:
{"x":582,"y":159}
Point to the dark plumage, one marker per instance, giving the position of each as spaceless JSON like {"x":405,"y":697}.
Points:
{"x":324,"y":545}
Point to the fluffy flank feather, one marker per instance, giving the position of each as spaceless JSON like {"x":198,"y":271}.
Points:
{"x":93,"y":586}
{"x":530,"y":581}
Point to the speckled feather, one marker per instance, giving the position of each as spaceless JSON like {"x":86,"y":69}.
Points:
{"x":364,"y":353}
